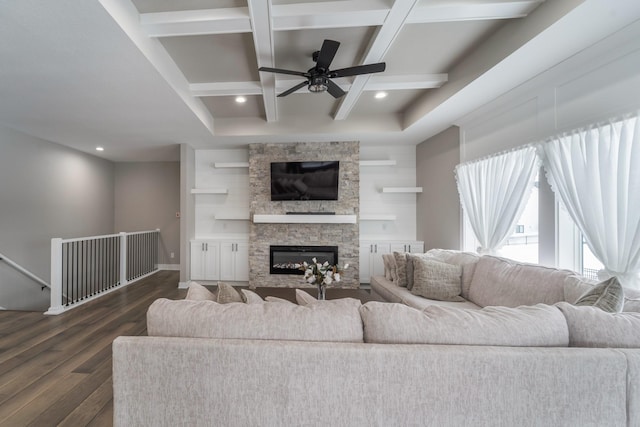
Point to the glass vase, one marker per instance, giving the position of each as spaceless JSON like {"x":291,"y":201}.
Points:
{"x":321,"y":291}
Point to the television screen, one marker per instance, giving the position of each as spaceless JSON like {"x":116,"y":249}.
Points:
{"x":304,"y":180}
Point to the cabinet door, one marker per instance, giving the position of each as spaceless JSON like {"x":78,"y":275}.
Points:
{"x":377,"y":264}
{"x":211,"y":261}
{"x":365,"y":262}
{"x":416,"y":248}
{"x":197,"y":261}
{"x":227,"y":270}
{"x":242,"y":262}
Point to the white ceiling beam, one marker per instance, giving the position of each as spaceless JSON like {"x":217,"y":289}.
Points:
{"x":330,"y":14}
{"x":377,"y":82}
{"x":196,"y":22}
{"x":471,"y":11}
{"x":260,"y":13}
{"x":384,"y":38}
{"x":126,"y":16}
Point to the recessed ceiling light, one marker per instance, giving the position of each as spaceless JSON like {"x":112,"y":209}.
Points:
{"x":99,"y":148}
{"x":241,"y":99}
{"x":380,"y":95}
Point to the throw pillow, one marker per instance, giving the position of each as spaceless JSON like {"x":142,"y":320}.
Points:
{"x":592,"y":327}
{"x":607,"y":296}
{"x":277,"y":300}
{"x":304,"y":298}
{"x":437,"y":280}
{"x":401,"y":268}
{"x":251,"y":297}
{"x":411,"y":268}
{"x":387,"y":268}
{"x":197,"y":292}
{"x":227,"y":294}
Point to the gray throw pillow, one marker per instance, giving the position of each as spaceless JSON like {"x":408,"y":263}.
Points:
{"x":401,"y":268}
{"x":607,"y":296}
{"x":197,"y":292}
{"x":410,"y":267}
{"x":227,"y":294}
{"x":251,"y":297}
{"x":304,"y":298}
{"x":437,"y":280}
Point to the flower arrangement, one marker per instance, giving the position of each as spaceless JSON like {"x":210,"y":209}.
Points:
{"x":321,"y":274}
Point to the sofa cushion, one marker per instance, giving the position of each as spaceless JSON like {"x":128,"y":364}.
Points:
{"x":607,"y":296}
{"x":467,"y":260}
{"x":527,"y":326}
{"x":592,"y":327}
{"x":504,"y":282}
{"x":334,"y":320}
{"x":227,"y":294}
{"x":436,"y":280}
{"x":575,"y":286}
{"x":401,"y":268}
{"x":198,"y":292}
{"x":251,"y":297}
{"x":410,"y":267}
{"x":389,"y":262}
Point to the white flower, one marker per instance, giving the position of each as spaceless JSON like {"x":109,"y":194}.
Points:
{"x":336,"y":277}
{"x":327,"y":280}
{"x":326,"y":264}
{"x":315,"y":261}
{"x":311,"y":279}
{"x":345,"y":266}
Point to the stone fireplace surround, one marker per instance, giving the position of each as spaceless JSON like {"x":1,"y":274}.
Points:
{"x":263,"y":235}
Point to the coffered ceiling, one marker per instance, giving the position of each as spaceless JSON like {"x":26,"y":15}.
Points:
{"x":139,"y":76}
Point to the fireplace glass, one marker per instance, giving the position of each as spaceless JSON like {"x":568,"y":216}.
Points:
{"x":283,"y":259}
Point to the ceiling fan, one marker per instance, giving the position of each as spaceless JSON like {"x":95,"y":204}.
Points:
{"x":319,"y":77}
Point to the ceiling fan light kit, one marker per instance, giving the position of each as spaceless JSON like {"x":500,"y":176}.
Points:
{"x":319,"y":77}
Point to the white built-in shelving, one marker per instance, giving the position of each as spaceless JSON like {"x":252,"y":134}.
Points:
{"x":402,"y":189}
{"x":219,"y":165}
{"x":306,"y":219}
{"x":377,"y":162}
{"x":377,"y":217}
{"x":209,"y":191}
{"x":232,"y":216}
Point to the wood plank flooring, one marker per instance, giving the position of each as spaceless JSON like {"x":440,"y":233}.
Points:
{"x":56,"y":370}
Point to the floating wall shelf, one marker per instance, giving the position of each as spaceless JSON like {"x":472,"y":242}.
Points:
{"x":231,"y":165}
{"x":377,"y":162}
{"x":402,"y":189}
{"x":305,"y":219}
{"x":209,"y":191}
{"x":232,"y":216}
{"x":375,"y":217}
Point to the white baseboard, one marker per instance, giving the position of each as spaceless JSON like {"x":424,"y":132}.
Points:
{"x":175,"y":267}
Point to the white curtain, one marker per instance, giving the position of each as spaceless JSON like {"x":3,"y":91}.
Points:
{"x":596,"y":173}
{"x":494,"y":192}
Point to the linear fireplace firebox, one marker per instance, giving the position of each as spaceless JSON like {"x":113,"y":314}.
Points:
{"x":283,"y":259}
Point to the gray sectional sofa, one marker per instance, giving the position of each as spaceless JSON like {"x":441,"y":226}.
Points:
{"x":341,"y":363}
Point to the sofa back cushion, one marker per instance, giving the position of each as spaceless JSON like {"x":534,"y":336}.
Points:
{"x":335,"y":320}
{"x":593,"y":327}
{"x":527,"y":326}
{"x":467,"y":260}
{"x":501,"y":281}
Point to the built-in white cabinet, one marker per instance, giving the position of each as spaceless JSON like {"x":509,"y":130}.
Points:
{"x":371,"y":252}
{"x":234,"y":261}
{"x":204,"y":260}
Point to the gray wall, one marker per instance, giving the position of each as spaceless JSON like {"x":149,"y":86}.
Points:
{"x":46,"y":191}
{"x":147,"y":196}
{"x":438,"y":206}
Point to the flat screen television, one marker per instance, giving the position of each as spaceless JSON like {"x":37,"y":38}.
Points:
{"x":304,"y":180}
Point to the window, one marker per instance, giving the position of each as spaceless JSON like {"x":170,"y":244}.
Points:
{"x":522,"y":245}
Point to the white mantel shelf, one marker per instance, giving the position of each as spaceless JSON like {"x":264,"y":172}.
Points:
{"x":305,"y":219}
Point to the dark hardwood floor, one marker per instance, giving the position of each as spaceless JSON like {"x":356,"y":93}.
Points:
{"x":56,"y":370}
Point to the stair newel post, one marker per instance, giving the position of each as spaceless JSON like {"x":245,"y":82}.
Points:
{"x":56,"y":306}
{"x":123,"y":258}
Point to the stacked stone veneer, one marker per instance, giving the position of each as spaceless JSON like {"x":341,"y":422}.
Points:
{"x":261,"y":236}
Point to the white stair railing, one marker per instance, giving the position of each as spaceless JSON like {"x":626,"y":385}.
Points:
{"x":24,"y":271}
{"x":86,"y":268}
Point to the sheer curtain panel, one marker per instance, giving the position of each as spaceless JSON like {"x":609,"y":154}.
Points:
{"x":596,"y":174}
{"x":494,"y":191}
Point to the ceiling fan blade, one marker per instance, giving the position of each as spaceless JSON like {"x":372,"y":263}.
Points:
{"x":359,"y":69}
{"x":327,"y":52}
{"x":334,"y":89}
{"x":293,"y":89}
{"x":280,"y":71}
